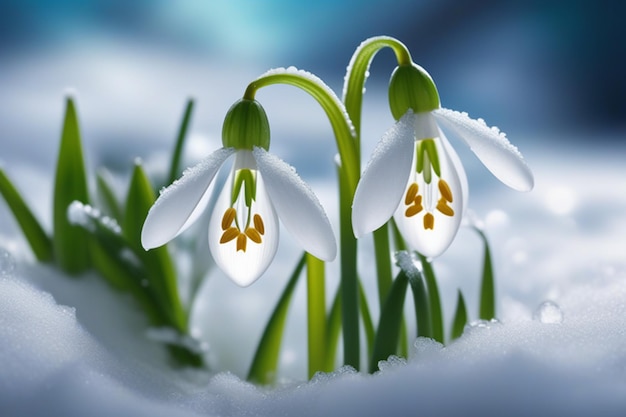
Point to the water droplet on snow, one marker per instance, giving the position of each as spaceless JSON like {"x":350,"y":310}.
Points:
{"x":7,"y":264}
{"x":548,"y":312}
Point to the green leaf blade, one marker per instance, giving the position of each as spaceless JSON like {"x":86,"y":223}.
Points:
{"x":70,"y":242}
{"x":180,"y":142}
{"x":265,"y":361}
{"x":161,"y":273}
{"x":460,"y":317}
{"x":39,"y":241}
{"x":316,"y":314}
{"x":388,"y":334}
{"x":434,"y":301}
{"x":487,"y":288}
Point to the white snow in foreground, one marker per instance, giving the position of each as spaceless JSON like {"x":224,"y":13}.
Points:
{"x":75,"y":354}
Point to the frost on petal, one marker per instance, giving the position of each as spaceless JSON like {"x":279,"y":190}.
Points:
{"x":243,"y":266}
{"x":431,"y":229}
{"x":490,"y":146}
{"x":297,"y":206}
{"x":381,"y":186}
{"x":180,"y":204}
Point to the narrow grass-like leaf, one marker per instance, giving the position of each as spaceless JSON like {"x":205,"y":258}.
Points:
{"x":403,"y":343}
{"x":460,"y":317}
{"x":39,"y":241}
{"x":487,"y":287}
{"x":265,"y":361}
{"x":434,"y":301}
{"x":316,"y":314}
{"x":422,"y":307}
{"x":333,"y":328}
{"x":386,"y":341}
{"x":366,"y":317}
{"x":109,"y":203}
{"x":180,"y":141}
{"x":70,"y":242}
{"x":158,"y":263}
{"x":383,"y":262}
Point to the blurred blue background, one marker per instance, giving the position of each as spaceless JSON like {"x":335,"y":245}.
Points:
{"x":534,"y":68}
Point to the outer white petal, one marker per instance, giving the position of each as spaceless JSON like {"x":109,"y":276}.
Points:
{"x":490,"y":146}
{"x":180,"y":204}
{"x":382,"y":184}
{"x":434,"y":242}
{"x":297,"y":206}
{"x":244,"y":267}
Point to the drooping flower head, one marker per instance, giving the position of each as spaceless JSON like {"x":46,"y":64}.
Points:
{"x":243,"y":226}
{"x":416,"y":176}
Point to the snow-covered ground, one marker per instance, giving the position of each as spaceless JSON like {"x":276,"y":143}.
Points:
{"x":74,"y":347}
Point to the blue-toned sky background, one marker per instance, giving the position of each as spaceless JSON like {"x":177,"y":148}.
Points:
{"x":531,"y":65}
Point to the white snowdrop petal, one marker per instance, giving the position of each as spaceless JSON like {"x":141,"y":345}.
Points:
{"x":433,"y":242}
{"x":297,"y":206}
{"x":180,"y":204}
{"x":490,"y":146}
{"x":244,"y":267}
{"x":381,"y":186}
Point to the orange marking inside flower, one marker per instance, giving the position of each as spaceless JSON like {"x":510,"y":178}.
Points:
{"x":229,"y":235}
{"x":258,"y":224}
{"x":253,"y":234}
{"x":444,"y":190}
{"x":411,"y":193}
{"x":444,"y":208}
{"x":232,"y":232}
{"x":241,"y":242}
{"x":229,"y":216}
{"x":429,"y":221}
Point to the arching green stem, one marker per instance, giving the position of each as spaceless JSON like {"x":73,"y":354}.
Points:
{"x":349,"y":173}
{"x":335,"y":110}
{"x":358,"y":70}
{"x":353,"y":89}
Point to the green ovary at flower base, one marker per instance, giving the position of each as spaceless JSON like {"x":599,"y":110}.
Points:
{"x":243,"y":226}
{"x":416,"y":176}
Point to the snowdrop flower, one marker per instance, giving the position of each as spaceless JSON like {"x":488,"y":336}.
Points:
{"x":243,"y":226}
{"x":416,"y":176}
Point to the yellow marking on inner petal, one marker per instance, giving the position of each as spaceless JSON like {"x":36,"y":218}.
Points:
{"x":258,"y":224}
{"x":429,"y":221}
{"x":229,"y":216}
{"x":253,"y":234}
{"x":444,"y":208}
{"x":411,"y":194}
{"x":418,"y":202}
{"x":232,"y":231}
{"x":241,"y":242}
{"x":412,"y":211}
{"x":229,"y":235}
{"x":444,"y":190}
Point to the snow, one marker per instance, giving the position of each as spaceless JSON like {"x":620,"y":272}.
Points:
{"x":60,"y":355}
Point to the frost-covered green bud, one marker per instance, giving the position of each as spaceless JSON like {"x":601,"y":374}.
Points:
{"x":246,"y":126}
{"x":412,"y":88}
